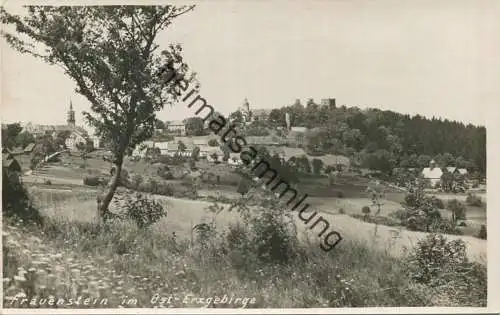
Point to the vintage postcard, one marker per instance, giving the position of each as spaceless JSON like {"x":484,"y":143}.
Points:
{"x":249,"y":157}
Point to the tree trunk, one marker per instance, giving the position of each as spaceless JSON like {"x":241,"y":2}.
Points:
{"x":104,"y":212}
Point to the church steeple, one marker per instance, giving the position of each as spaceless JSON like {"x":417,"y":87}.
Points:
{"x":71,"y":115}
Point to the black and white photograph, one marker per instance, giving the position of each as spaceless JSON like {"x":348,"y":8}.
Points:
{"x":246,"y":155}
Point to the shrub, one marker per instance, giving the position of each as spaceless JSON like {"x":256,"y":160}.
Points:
{"x":482,"y":232}
{"x":15,"y":199}
{"x":474,"y":200}
{"x":47,"y":182}
{"x":340,"y":194}
{"x":342,"y":211}
{"x":236,"y":235}
{"x":91,"y":180}
{"x":432,"y":256}
{"x":165,"y":173}
{"x":136,"y":181}
{"x":458,"y":209}
{"x":438,"y":203}
{"x":376,"y":219}
{"x":366,"y":210}
{"x":443,"y":265}
{"x":420,"y":213}
{"x":445,"y":226}
{"x":157,"y":188}
{"x":213,"y":142}
{"x":271,"y":233}
{"x":142,"y":210}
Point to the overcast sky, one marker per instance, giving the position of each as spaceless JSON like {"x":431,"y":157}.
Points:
{"x":430,"y":57}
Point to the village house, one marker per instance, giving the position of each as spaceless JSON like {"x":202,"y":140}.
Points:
{"x":176,"y":127}
{"x":433,"y":173}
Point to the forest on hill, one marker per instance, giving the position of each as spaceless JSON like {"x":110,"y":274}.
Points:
{"x":382,"y":139}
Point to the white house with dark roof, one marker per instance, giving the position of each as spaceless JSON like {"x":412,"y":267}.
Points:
{"x":433,"y":173}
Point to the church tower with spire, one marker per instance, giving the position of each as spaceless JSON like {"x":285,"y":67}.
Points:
{"x":71,"y":115}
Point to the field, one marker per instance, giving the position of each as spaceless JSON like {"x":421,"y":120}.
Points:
{"x":73,"y":255}
{"x":184,"y":214}
{"x":79,"y":204}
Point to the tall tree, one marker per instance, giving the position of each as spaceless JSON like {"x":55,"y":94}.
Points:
{"x":236,"y":117}
{"x":9,"y":135}
{"x":111,"y":54}
{"x":181,"y":146}
{"x":160,"y":124}
{"x":194,"y":126}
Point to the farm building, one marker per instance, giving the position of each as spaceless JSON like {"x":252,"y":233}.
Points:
{"x":432,"y":173}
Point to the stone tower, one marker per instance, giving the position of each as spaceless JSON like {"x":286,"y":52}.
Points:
{"x":71,"y":115}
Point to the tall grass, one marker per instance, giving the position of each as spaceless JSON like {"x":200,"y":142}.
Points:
{"x":113,"y":260}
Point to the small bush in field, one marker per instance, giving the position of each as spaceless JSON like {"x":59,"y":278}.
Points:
{"x":165,"y":173}
{"x":340,"y":194}
{"x":342,"y":211}
{"x":91,"y":181}
{"x":213,"y":142}
{"x":366,"y":210}
{"x":47,"y":182}
{"x":136,"y":181}
{"x":142,"y":210}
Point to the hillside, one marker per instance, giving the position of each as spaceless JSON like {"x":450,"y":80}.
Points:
{"x":383,"y":140}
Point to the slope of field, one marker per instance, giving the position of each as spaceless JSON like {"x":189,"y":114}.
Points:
{"x":183,"y":214}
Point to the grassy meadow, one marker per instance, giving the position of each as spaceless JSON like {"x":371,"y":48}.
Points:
{"x":72,"y":255}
